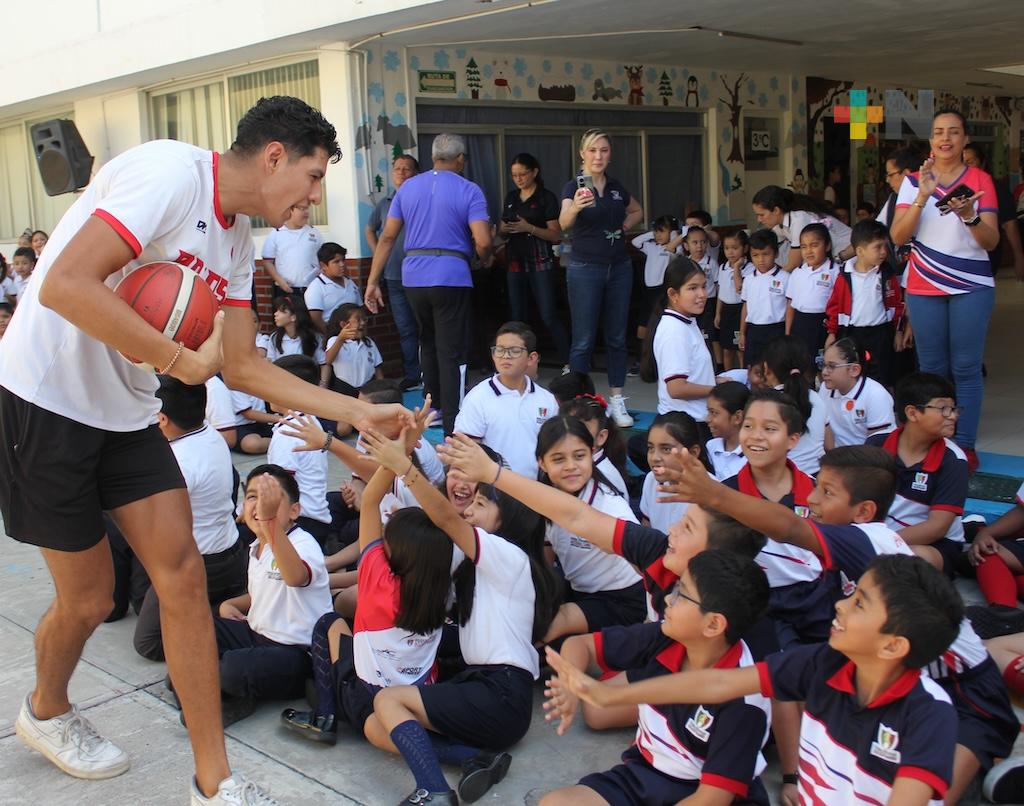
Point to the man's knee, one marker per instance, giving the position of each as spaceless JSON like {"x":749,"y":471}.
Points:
{"x":182,"y":581}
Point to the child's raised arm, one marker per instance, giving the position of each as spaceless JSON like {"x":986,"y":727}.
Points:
{"x":468,"y":458}
{"x":307,"y":428}
{"x":294,"y":571}
{"x":370,"y":528}
{"x":710,"y":686}
{"x":693,"y":484}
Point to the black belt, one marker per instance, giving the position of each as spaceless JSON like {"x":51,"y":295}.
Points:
{"x":438,"y":253}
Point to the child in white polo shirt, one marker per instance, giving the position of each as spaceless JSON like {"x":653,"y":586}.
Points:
{"x":506,"y":412}
{"x":764,"y":298}
{"x":263,"y":635}
{"x":352,"y":354}
{"x":331,"y":287}
{"x":809,"y":288}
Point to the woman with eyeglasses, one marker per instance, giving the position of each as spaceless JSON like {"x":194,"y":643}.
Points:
{"x":529,"y":220}
{"x":856,"y":406}
{"x":599,"y":211}
{"x":950,"y":288}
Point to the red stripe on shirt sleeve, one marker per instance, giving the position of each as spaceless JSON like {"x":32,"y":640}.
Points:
{"x":309,"y":575}
{"x":767,"y":689}
{"x":948,"y":508}
{"x":675,"y":377}
{"x":620,"y":532}
{"x":925,"y":776}
{"x":902,"y":206}
{"x":599,"y":651}
{"x":238,"y":303}
{"x":120,"y":229}
{"x":826,"y":555}
{"x":728,"y":784}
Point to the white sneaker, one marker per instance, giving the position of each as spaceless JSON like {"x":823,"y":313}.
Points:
{"x":234,"y":791}
{"x":617,"y":411}
{"x":72,"y":743}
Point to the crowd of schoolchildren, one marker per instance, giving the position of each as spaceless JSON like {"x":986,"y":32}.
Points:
{"x":772,"y":561}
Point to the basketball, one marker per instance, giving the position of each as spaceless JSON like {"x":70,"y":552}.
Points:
{"x":173,"y":299}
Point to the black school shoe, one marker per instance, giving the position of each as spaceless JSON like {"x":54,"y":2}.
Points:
{"x":1004,"y":783}
{"x":995,"y":620}
{"x":482,"y":772}
{"x":439,"y":798}
{"x":315,"y":728}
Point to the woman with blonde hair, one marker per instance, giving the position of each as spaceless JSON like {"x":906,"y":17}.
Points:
{"x":599,"y":211}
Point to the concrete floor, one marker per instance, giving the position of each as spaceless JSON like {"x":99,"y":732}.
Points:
{"x":124,"y":695}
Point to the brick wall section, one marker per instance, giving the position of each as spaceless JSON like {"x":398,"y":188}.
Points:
{"x":381,"y":327}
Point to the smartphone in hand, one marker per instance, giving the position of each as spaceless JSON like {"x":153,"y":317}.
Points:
{"x":959,"y":192}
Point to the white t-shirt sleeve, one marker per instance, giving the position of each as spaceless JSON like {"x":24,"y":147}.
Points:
{"x":129,"y":205}
{"x":672,"y":354}
{"x":240,"y":281}
{"x":270,"y":246}
{"x":471,"y":420}
{"x":907,"y":193}
{"x":314,"y":296}
{"x":219,"y":411}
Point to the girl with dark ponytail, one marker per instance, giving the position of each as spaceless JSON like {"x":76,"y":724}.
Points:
{"x":787,"y":367}
{"x":787,"y":213}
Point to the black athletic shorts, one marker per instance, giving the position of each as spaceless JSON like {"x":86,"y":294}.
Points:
{"x":57,"y":476}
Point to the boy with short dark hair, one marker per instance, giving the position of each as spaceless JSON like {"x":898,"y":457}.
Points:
{"x":932,"y":469}
{"x":763,"y":316}
{"x":331,"y":287}
{"x":683,"y":751}
{"x":867,"y":301}
{"x":506,"y":412}
{"x":873,"y":729}
{"x":23,"y":262}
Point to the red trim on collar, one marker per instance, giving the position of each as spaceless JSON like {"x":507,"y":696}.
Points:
{"x":660,"y":575}
{"x":531,"y":387}
{"x":801,"y":487}
{"x":221,"y":218}
{"x":672,"y":657}
{"x":932,"y":460}
{"x":843,"y":681}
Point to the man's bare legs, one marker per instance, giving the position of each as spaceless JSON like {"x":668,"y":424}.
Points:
{"x":159,"y":530}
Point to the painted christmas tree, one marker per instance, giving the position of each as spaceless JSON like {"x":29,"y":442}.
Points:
{"x":378,"y":183}
{"x":473,"y":78}
{"x":665,"y":88}
{"x":397,"y":150}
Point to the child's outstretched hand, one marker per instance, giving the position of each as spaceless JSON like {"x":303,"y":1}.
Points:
{"x":268,"y":500}
{"x":467,"y":457}
{"x":691,"y":483}
{"x":580,"y":683}
{"x":305,"y":427}
{"x":561,"y":704}
{"x":389,"y":453}
{"x":422,"y":417}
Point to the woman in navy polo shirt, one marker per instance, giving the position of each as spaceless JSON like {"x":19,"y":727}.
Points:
{"x":529,"y":220}
{"x":600,"y":272}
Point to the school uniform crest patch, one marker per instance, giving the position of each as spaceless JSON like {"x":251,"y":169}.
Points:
{"x":884,"y":746}
{"x":700,"y":723}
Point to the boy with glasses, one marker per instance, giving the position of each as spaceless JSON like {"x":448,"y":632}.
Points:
{"x":932,"y":473}
{"x":506,"y":412}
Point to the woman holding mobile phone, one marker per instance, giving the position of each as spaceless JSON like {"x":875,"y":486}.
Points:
{"x":600,"y":211}
{"x":529,"y":220}
{"x":949,"y":284}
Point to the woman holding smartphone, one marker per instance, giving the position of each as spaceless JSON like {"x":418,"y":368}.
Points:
{"x":600,"y":211}
{"x":949,"y":285}
{"x":529,"y":220}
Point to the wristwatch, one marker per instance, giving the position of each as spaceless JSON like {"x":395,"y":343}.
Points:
{"x":973,"y":222}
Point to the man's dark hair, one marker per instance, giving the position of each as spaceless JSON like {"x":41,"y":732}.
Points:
{"x":330,"y":250}
{"x":286,"y":479}
{"x":764,"y":239}
{"x":26,"y":252}
{"x":868,"y":473}
{"x":868,"y":231}
{"x":979,"y":152}
{"x":522,"y":330}
{"x":905,"y":159}
{"x":182,"y":404}
{"x":415,"y":162}
{"x":301,"y":366}
{"x":379,"y":390}
{"x":300,"y":128}
{"x":921,"y":604}
{"x":917,"y":389}
{"x":730,"y":584}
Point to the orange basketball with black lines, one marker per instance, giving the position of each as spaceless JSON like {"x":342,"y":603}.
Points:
{"x":173,"y":299}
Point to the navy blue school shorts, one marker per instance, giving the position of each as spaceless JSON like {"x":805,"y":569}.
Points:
{"x":353,"y":695}
{"x":612,"y":608}
{"x":950,"y":551}
{"x":637,"y":782}
{"x":489,"y":707}
{"x":986,"y":723}
{"x":58,"y":476}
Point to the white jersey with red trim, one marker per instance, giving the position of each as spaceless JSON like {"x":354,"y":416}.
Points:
{"x":161,"y":198}
{"x":681,"y":352}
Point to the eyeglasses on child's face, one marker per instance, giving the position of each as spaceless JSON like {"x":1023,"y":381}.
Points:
{"x":946,"y":411}
{"x":508,"y":352}
{"x":832,"y":366}
{"x":677,"y":594}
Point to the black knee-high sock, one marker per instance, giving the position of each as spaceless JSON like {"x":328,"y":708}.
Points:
{"x":323,"y":680}
{"x":451,"y":752}
{"x":412,"y":741}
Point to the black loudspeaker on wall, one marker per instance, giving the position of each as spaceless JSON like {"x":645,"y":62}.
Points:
{"x":64,"y":162}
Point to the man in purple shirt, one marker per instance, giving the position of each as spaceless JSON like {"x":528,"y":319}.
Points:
{"x":446,"y":221}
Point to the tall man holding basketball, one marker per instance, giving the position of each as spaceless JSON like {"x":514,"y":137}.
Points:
{"x":77,"y":421}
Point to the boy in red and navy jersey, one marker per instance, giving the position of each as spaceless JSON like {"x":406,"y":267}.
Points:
{"x":932,"y":472}
{"x":682,"y":750}
{"x":874,"y":729}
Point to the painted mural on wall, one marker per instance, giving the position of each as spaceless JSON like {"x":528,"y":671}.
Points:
{"x":392,"y":86}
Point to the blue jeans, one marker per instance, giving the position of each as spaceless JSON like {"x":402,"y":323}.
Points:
{"x":542,"y":284}
{"x":597,"y":289}
{"x":405,"y":323}
{"x":949,"y":332}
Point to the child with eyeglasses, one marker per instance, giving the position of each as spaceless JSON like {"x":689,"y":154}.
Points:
{"x":506,"y":411}
{"x":932,"y":473}
{"x":856,"y":406}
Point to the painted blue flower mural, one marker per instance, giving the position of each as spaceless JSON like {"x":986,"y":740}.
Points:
{"x":795,"y":85}
{"x":517,"y":92}
{"x":762,"y":99}
{"x":397,"y":119}
{"x":587,"y":71}
{"x":399,"y":99}
{"x":519,"y":67}
{"x":607,"y":78}
{"x":369,"y":57}
{"x":619,"y":70}
{"x":488,"y":71}
{"x":674,"y":73}
{"x":546,"y":65}
{"x":531,"y":82}
{"x":651,"y":75}
{"x":382,"y":166}
{"x":704,"y":94}
{"x":358,"y":160}
{"x":751,"y":88}
{"x":568,"y":67}
{"x":460,"y":53}
{"x":441,"y":59}
{"x":802,"y":109}
{"x":774,"y":82}
{"x":414,"y":62}
{"x":391,"y":61}
{"x":375,"y":91}
{"x":783,"y":102}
